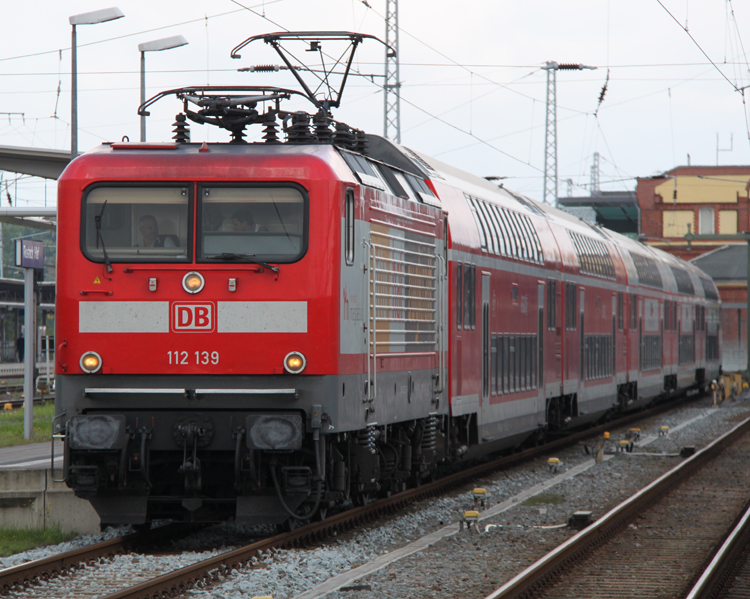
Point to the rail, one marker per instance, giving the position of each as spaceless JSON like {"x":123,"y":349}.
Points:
{"x":715,"y":575}
{"x":559,"y":558}
{"x":21,"y":575}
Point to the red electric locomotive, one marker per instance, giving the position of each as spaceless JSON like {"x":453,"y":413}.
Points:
{"x":260,"y":331}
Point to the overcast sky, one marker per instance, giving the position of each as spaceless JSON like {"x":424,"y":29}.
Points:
{"x":473,"y":87}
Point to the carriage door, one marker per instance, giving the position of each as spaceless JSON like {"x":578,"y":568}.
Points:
{"x":613,"y":345}
{"x":540,"y":403}
{"x":485,"y":337}
{"x":582,"y":380}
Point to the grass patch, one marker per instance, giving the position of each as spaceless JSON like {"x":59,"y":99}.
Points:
{"x":547,"y":498}
{"x":16,"y":540}
{"x":11,"y":425}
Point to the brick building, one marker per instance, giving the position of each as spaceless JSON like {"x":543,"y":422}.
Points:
{"x":712,"y":200}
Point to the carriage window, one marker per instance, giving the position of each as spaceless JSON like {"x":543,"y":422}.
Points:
{"x":551,"y":305}
{"x":266,"y":224}
{"x":469,"y":301}
{"x":459,"y":296}
{"x":136,"y":224}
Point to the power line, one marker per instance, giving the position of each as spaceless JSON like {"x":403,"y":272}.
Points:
{"x":127,"y":35}
{"x":681,"y":26}
{"x":457,"y":64}
{"x":479,"y":140}
{"x":741,"y":90}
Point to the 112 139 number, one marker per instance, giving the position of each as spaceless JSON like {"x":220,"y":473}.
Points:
{"x":181,"y":358}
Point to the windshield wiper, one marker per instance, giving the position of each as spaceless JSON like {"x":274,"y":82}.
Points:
{"x":242,"y":257}
{"x":98,"y":223}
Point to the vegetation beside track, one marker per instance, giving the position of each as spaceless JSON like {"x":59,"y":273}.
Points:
{"x":15,"y":540}
{"x":11,"y":425}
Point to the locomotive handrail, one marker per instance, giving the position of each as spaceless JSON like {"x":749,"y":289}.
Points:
{"x":243,"y":266}
{"x":374,"y":300}
{"x":441,"y":284}
{"x":246,"y":391}
{"x":170,"y":391}
{"x":60,"y":436}
{"x":58,"y":355}
{"x":143,"y":391}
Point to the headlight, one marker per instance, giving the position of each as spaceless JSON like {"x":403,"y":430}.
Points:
{"x":97,"y":431}
{"x":193,"y":282}
{"x":295,"y":362}
{"x":274,"y":431}
{"x":91,"y":362}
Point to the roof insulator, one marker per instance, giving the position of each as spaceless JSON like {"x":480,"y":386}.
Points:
{"x":181,"y":129}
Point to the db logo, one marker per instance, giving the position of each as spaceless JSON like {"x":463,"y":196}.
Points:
{"x":188,"y":316}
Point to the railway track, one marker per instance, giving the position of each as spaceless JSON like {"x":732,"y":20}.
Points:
{"x":23,"y":575}
{"x":728,"y":574}
{"x":205,"y":572}
{"x":652,"y":544}
{"x":15,"y":404}
{"x":12,"y":403}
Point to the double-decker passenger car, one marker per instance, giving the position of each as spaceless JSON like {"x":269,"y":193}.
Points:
{"x":260,"y":331}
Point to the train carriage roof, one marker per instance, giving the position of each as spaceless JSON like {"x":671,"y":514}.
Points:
{"x":645,"y":265}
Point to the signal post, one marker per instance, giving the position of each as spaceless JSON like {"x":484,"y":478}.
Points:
{"x":30,"y":257}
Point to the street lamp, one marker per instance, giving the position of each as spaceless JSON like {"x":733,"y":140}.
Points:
{"x":87,"y":18}
{"x":166,"y":43}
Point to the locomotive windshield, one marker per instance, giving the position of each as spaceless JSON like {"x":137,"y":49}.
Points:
{"x":136,"y":224}
{"x":263,"y":223}
{"x":154,"y":224}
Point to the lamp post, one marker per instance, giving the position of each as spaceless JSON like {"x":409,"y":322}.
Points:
{"x":166,"y":43}
{"x":87,"y":18}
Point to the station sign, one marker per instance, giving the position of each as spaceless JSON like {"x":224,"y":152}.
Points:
{"x":29,"y":253}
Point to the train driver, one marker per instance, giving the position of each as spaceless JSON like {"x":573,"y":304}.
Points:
{"x":243,"y":220}
{"x":149,"y":229}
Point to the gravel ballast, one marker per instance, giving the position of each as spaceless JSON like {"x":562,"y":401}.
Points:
{"x":465,"y":564}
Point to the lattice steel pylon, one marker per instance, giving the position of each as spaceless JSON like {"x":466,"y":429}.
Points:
{"x":550,"y":139}
{"x":392,"y":87}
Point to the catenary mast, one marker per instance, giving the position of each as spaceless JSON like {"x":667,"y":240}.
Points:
{"x":392,"y":87}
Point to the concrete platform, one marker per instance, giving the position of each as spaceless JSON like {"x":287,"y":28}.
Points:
{"x":31,"y":498}
{"x":34,"y":456}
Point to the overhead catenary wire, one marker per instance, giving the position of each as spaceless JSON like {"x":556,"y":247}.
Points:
{"x":127,"y":35}
{"x":740,"y":89}
{"x":681,"y":26}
